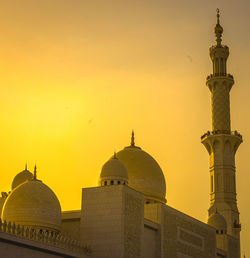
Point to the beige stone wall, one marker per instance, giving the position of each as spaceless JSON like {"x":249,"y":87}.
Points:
{"x":151,"y":240}
{"x":71,"y":228}
{"x":12,"y":246}
{"x":229,"y":245}
{"x":152,"y":211}
{"x":133,"y":223}
{"x":112,"y":221}
{"x":184,"y":236}
{"x":71,"y":224}
{"x":233,"y":249}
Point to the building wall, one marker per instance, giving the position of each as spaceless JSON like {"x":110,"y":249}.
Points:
{"x":112,"y":221}
{"x":152,"y":212}
{"x":151,"y":240}
{"x":233,"y":249}
{"x":71,"y":224}
{"x":184,"y":236}
{"x":12,"y":246}
{"x":133,"y":209}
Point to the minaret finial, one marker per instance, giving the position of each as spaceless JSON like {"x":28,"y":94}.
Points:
{"x":218,"y":15}
{"x":132,"y":139}
{"x":218,"y":30}
{"x":114,"y":157}
{"x":35,"y":173}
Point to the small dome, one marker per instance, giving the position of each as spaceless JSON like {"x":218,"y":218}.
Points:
{"x":21,"y":178}
{"x":144,"y":173}
{"x":33,"y":204}
{"x":114,"y":169}
{"x":218,"y":222}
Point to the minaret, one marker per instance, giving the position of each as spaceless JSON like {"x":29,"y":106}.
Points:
{"x":222,"y":143}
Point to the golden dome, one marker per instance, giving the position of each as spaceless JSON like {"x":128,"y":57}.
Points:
{"x":114,"y":169}
{"x":218,"y":222}
{"x":21,"y":178}
{"x":144,"y":173}
{"x":33,"y":204}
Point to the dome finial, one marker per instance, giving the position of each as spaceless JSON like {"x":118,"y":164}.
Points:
{"x":218,"y":30}
{"x":35,"y":173}
{"x":26,"y":167}
{"x":132,"y":139}
{"x":114,"y":157}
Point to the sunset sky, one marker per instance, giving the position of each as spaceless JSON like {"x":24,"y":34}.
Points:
{"x":77,"y":76}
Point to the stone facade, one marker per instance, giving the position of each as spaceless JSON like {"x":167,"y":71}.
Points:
{"x":71,"y":223}
{"x":185,"y":235}
{"x":112,"y":221}
{"x":29,"y":243}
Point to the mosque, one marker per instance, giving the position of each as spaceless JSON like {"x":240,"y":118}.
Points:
{"x":126,"y":215}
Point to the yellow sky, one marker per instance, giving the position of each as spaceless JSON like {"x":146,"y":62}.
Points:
{"x":77,"y":76}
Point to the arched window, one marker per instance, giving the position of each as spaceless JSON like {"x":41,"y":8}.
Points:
{"x":105,"y":183}
{"x":118,"y":182}
{"x":112,"y":182}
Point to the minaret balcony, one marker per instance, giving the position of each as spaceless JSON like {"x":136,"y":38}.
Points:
{"x":221,"y":75}
{"x":217,"y":132}
{"x":216,"y":47}
{"x":220,"y":78}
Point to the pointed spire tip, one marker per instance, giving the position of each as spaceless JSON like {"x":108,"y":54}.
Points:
{"x":218,"y":30}
{"x":35,"y":173}
{"x":133,"y":138}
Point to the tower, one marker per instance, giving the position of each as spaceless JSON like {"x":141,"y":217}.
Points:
{"x":222,"y":143}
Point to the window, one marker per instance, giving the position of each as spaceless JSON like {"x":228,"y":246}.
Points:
{"x":105,"y":183}
{"x":118,"y":182}
{"x":112,"y":182}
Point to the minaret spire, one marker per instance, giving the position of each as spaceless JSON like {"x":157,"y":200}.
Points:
{"x":35,"y":173}
{"x":222,"y":143}
{"x":132,"y":139}
{"x":218,"y":30}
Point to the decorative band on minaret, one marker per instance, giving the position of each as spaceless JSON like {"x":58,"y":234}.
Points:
{"x":222,"y":143}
